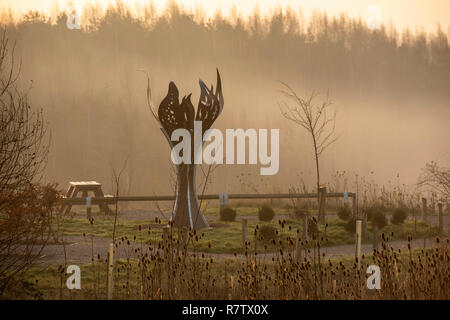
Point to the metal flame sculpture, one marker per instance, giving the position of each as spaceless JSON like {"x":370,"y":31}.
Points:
{"x":174,"y":115}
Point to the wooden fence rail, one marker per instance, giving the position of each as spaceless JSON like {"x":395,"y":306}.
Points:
{"x":112,"y":199}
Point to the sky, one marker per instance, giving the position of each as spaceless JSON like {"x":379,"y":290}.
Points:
{"x":402,"y":13}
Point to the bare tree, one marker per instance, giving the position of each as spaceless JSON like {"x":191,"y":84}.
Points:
{"x":23,"y":149}
{"x":437,"y":178}
{"x":26,"y":206}
{"x":315,"y":118}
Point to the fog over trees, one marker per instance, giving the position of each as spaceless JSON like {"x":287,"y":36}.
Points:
{"x":391,"y":88}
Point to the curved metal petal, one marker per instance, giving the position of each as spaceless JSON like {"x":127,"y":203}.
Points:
{"x":210,"y":104}
{"x":170,"y":113}
{"x":189,"y":112}
{"x":219,"y":94}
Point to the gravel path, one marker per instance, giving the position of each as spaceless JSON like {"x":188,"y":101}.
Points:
{"x":79,"y":249}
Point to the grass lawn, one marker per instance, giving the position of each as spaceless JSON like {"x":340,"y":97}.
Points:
{"x":253,"y":211}
{"x":226,"y":237}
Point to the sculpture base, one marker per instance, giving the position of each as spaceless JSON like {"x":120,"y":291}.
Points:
{"x":186,"y":210}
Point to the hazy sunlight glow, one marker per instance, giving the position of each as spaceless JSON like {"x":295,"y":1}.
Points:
{"x":402,"y":13}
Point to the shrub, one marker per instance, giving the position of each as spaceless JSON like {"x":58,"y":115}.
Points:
{"x":377,"y":217}
{"x":267,"y":232}
{"x":399,"y":216}
{"x":266,"y":213}
{"x":344,"y":213}
{"x":227,"y":214}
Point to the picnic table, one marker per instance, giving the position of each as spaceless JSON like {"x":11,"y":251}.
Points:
{"x":86,"y":187}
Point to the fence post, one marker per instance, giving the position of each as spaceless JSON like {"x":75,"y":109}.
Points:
{"x":244,"y":232}
{"x":354,"y":213}
{"x":345,"y":197}
{"x":220,"y":203}
{"x":364,"y":224}
{"x":109,"y":276}
{"x":223,"y":202}
{"x":322,"y":202}
{"x":441,"y":218}
{"x":358,"y":242}
{"x":305,"y":226}
{"x":88,"y":207}
{"x":424,"y":209}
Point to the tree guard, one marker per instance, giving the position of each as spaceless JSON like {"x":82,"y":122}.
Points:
{"x":174,"y":115}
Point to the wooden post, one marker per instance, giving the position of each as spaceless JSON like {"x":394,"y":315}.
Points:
{"x":364,"y":225}
{"x":109,"y":277}
{"x":424,"y":209}
{"x":244,"y":232}
{"x":441,"y":218}
{"x":358,"y":242}
{"x":305,"y":226}
{"x":88,"y":207}
{"x":354,"y":213}
{"x":223,"y":202}
{"x":424,"y":218}
{"x":298,"y":248}
{"x":220,"y":203}
{"x":322,"y":202}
